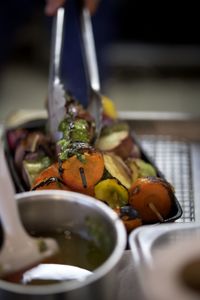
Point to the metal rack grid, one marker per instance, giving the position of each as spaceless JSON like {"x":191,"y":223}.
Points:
{"x":174,"y":160}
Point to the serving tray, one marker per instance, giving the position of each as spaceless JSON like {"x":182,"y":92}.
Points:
{"x":40,"y":125}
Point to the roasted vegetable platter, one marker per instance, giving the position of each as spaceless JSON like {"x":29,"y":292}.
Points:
{"x":114,"y":169}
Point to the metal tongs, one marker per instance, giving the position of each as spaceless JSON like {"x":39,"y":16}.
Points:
{"x":56,"y":92}
{"x":95,"y":106}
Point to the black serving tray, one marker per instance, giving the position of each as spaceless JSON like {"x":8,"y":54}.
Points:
{"x":40,"y":124}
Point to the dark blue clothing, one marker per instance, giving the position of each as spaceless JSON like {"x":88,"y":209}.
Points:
{"x":73,"y":68}
{"x":16,"y":13}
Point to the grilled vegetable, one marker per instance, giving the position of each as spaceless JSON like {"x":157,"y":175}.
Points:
{"x":114,"y":127}
{"x":75,"y":131}
{"x":34,"y":144}
{"x":82,"y":175}
{"x":77,"y":126}
{"x":152,"y":197}
{"x":74,"y":110}
{"x":129,"y":216}
{"x":33,"y":153}
{"x":51,"y":171}
{"x":131,"y":224}
{"x":119,"y":142}
{"x":109,"y":109}
{"x":140,"y":168}
{"x":15,"y":136}
{"x":31,"y":168}
{"x":117,"y":168}
{"x":112,"y":192}
{"x":51,"y":183}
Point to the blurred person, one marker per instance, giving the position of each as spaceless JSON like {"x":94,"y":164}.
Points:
{"x":52,"y":6}
{"x":16,"y":14}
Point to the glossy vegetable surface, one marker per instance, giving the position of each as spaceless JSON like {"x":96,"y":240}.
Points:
{"x":82,"y":175}
{"x":112,"y":192}
{"x":152,"y":197}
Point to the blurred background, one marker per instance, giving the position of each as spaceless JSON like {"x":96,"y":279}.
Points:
{"x":149,"y":56}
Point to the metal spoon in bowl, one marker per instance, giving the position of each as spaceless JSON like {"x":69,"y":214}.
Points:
{"x":19,"y":251}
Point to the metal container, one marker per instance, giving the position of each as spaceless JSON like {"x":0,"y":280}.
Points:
{"x":161,"y":255}
{"x":46,"y":210}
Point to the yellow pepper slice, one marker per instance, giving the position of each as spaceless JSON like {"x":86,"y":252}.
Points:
{"x":109,"y":108}
{"x":112,"y":192}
